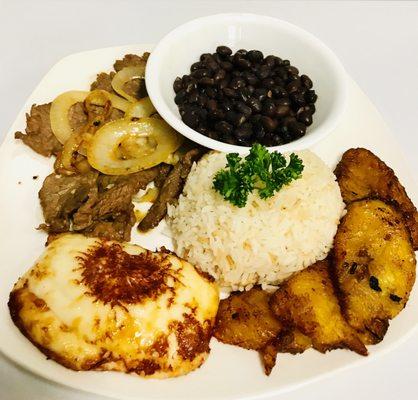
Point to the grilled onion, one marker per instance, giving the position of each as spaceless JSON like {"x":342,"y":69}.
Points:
{"x":60,"y":107}
{"x":140,"y":109}
{"x":125,"y":75}
{"x":123,"y":147}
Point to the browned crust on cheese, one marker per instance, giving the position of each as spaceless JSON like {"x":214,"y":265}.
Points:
{"x":114,"y":276}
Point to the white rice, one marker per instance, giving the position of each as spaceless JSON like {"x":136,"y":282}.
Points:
{"x":267,"y":240}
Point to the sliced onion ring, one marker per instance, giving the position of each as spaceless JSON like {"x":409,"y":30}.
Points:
{"x":60,"y":107}
{"x":123,"y":147}
{"x":125,"y":75}
{"x":60,"y":124}
{"x":140,"y":109}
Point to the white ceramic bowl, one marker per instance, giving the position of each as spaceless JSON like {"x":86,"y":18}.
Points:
{"x":179,"y":49}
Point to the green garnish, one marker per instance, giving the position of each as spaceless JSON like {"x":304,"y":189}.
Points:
{"x":260,"y":170}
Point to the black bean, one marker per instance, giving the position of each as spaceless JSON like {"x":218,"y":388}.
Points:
{"x":298,"y":99}
{"x":211,"y":92}
{"x":223,"y":51}
{"x":177,"y":85}
{"x":243,"y":109}
{"x":217,"y":58}
{"x":230,"y":92}
{"x":207,"y":81}
{"x":297,"y":129}
{"x":217,"y":114}
{"x":278,"y":81}
{"x":310,"y":96}
{"x":206,"y":56}
{"x":236,"y":73}
{"x":193,"y":97}
{"x":191,"y":120}
{"x":224,"y":127}
{"x":278,"y":92}
{"x":269,"y":124}
{"x":310,"y":108}
{"x":283,"y":75}
{"x":268,"y":83}
{"x":244,"y":131}
{"x":212,"y":135}
{"x":269,"y":108}
{"x":180,"y":97}
{"x":255,"y":55}
{"x":306,"y":81}
{"x":229,"y":140}
{"x":242,"y":52}
{"x":243,"y":63}
{"x":202,"y":100}
{"x":282,"y":111}
{"x":226,"y":65}
{"x":293,"y":86}
{"x":255,"y":104}
{"x":223,"y":84}
{"x":251,"y":78}
{"x":292,"y":70}
{"x":270,"y":61}
{"x":237,"y":83}
{"x":283,"y":102}
{"x":305,"y":117}
{"x":235,"y":118}
{"x":190,"y":87}
{"x":219,"y":75}
{"x":288,"y":120}
{"x":211,"y":105}
{"x":197,"y":65}
{"x":259,"y":131}
{"x":201,"y":73}
{"x":260,"y":94}
{"x":263,"y":72}
{"x":245,"y":93}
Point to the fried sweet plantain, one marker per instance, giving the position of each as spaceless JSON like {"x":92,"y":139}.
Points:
{"x":361,"y":175}
{"x":308,"y":302}
{"x":244,"y":319}
{"x":374,"y":265}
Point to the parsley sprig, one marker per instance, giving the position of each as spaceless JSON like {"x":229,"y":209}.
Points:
{"x":260,"y":170}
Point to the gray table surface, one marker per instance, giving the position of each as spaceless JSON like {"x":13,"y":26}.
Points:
{"x":376,"y":41}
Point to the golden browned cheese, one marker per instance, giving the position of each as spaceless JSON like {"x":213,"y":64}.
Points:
{"x":244,"y":319}
{"x":308,"y":302}
{"x":92,"y":304}
{"x":374,"y":264}
{"x":362,"y":175}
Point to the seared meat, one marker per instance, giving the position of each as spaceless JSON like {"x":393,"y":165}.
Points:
{"x":62,"y":195}
{"x":137,"y":181}
{"x":244,"y":319}
{"x":130,"y":60}
{"x":171,"y":189}
{"x":374,"y":266}
{"x":39,"y":136}
{"x":103,"y":82}
{"x":97,"y":205}
{"x":307,"y":301}
{"x":361,"y":175}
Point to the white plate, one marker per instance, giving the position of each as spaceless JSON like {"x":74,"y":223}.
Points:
{"x":230,"y":372}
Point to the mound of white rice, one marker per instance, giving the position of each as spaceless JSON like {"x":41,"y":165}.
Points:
{"x":267,"y":240}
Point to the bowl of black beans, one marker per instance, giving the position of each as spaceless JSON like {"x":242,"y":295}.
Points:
{"x":231,"y":80}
